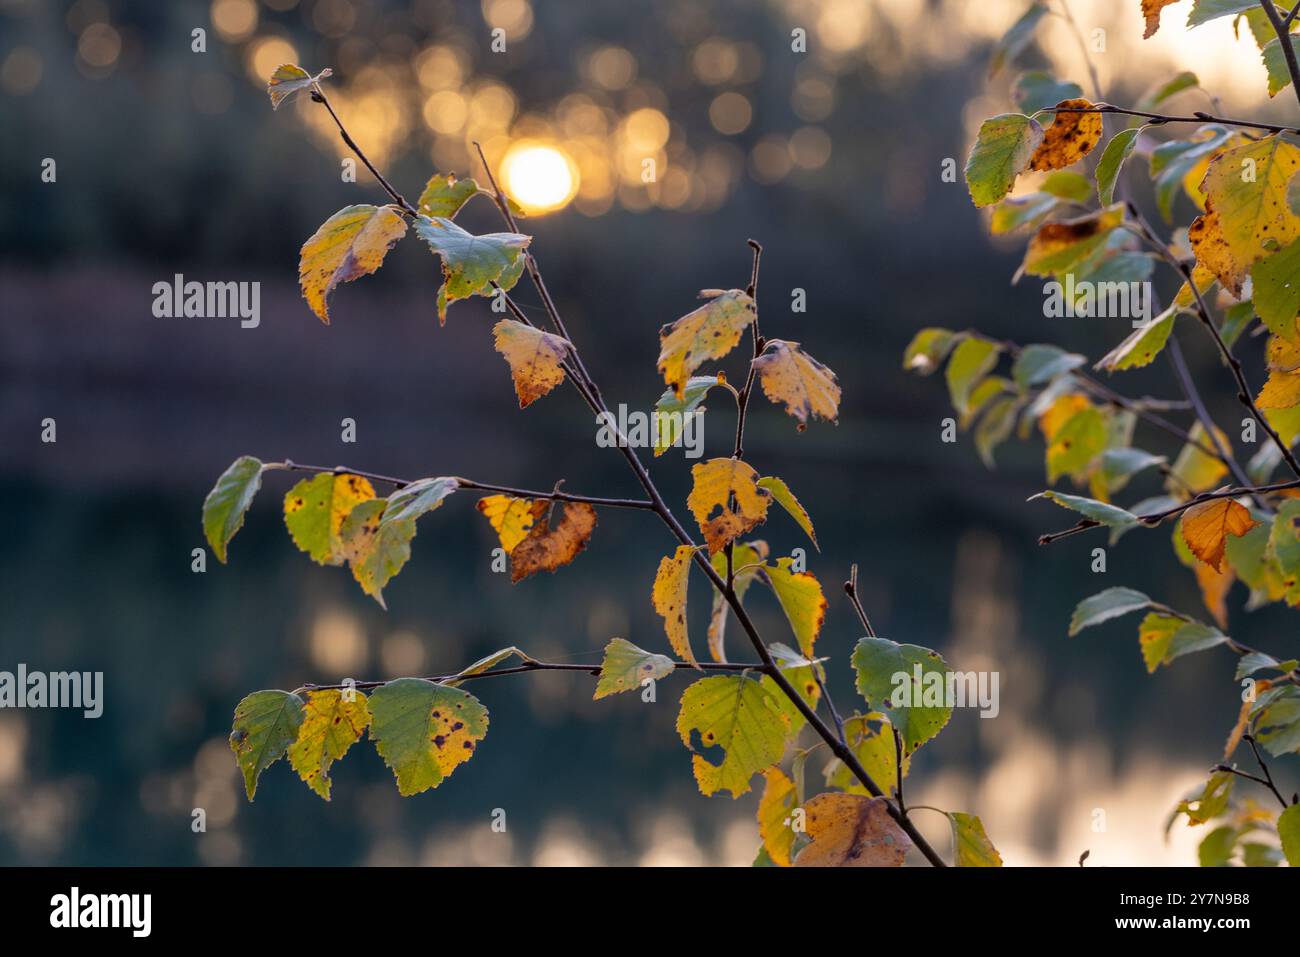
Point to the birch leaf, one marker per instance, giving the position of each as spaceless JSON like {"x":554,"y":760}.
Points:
{"x":747,"y":717}
{"x":424,"y":731}
{"x":1070,"y":138}
{"x":351,"y":243}
{"x":443,"y":196}
{"x":791,"y":377}
{"x":332,"y":723}
{"x":709,"y":332}
{"x":266,"y":723}
{"x":314,"y":511}
{"x":626,"y":666}
{"x":227,"y":504}
{"x":1207,"y":526}
{"x":1002,"y":150}
{"x":415,"y":499}
{"x":668,"y":595}
{"x":714,"y":484}
{"x":801,"y":598}
{"x":534,"y":358}
{"x":511,"y":518}
{"x":471,"y":264}
{"x":375,"y":549}
{"x":774,"y":810}
{"x":288,"y":79}
{"x":546,"y":548}
{"x":785,"y":498}
{"x":848,"y":830}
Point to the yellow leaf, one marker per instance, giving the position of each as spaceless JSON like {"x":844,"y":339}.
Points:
{"x":1247,"y":186}
{"x":511,"y":517}
{"x":315,"y":508}
{"x":1243,"y":717}
{"x":801,"y":598}
{"x":785,"y":498}
{"x":1060,"y":412}
{"x":1151,"y":11}
{"x":626,"y":667}
{"x":1069,"y":139}
{"x":747,"y":718}
{"x":546,"y":548}
{"x":1283,"y":356}
{"x":1213,"y":253}
{"x":715,"y":482}
{"x":1155,"y":632}
{"x":1280,"y":391}
{"x":669,"y":597}
{"x":848,"y":830}
{"x":710,"y":332}
{"x":1196,"y":470}
{"x":351,"y":243}
{"x":332,"y":723}
{"x":774,"y":810}
{"x":791,"y":376}
{"x":1207,"y":526}
{"x":534,"y":358}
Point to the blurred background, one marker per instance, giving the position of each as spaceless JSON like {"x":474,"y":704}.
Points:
{"x":172,"y":161}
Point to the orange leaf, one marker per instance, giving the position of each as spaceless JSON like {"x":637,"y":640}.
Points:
{"x":1151,"y":10}
{"x":715,"y":483}
{"x":546,"y":548}
{"x":1069,"y":139}
{"x":1207,"y":526}
{"x":849,"y":830}
{"x":534,"y":357}
{"x":669,"y":597}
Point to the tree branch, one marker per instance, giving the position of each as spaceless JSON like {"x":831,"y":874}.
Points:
{"x":1160,"y":119}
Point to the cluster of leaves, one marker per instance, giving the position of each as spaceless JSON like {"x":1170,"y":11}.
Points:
{"x":1243,"y":181}
{"x":742,"y":722}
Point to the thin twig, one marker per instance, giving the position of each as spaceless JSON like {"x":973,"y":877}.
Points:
{"x":1159,"y":119}
{"x":851,"y":589}
{"x":1282,"y":29}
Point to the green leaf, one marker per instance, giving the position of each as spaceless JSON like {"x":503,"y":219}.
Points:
{"x":332,"y":722}
{"x":1017,"y":212}
{"x":1163,"y":641}
{"x":1120,"y":465}
{"x":1002,"y":150}
{"x":1038,"y":90}
{"x":1260,"y":855}
{"x":487,"y":663}
{"x":1288,"y":831}
{"x":1014,"y":41}
{"x":471,"y":264}
{"x":444,"y":195}
{"x":928,"y":348}
{"x":266,"y":723}
{"x":1119,"y":149}
{"x":785,"y":498}
{"x":375,"y":549}
{"x":424,"y":731}
{"x":1215,"y":849}
{"x":315,"y":509}
{"x":1103,"y":512}
{"x":1249,"y":664}
{"x":1106,"y":605}
{"x":970,"y":361}
{"x":1279,"y":75}
{"x":971,"y":847}
{"x":994,"y":428}
{"x":1284,"y":543}
{"x":416,"y":498}
{"x":228,"y":502}
{"x":887,"y":678}
{"x":1276,"y":283}
{"x":672,"y":412}
{"x":748,"y":718}
{"x":1277,"y":725}
{"x":1211,"y":801}
{"x":1142,"y":345}
{"x":1203,"y":11}
{"x":626,"y":666}
{"x":1067,"y":184}
{"x":1160,"y":93}
{"x":1039,"y":363}
{"x":1171,"y":161}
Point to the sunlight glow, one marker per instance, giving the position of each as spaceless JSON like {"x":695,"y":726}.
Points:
{"x":540,"y":177}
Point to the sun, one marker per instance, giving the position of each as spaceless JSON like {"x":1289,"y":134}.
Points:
{"x":539,"y":177}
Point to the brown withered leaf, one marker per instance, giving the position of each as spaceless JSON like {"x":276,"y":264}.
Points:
{"x":546,"y":548}
{"x":1151,"y":11}
{"x":714,"y":484}
{"x":1206,"y":528}
{"x":1069,"y":139}
{"x":849,"y":830}
{"x":534,"y":358}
